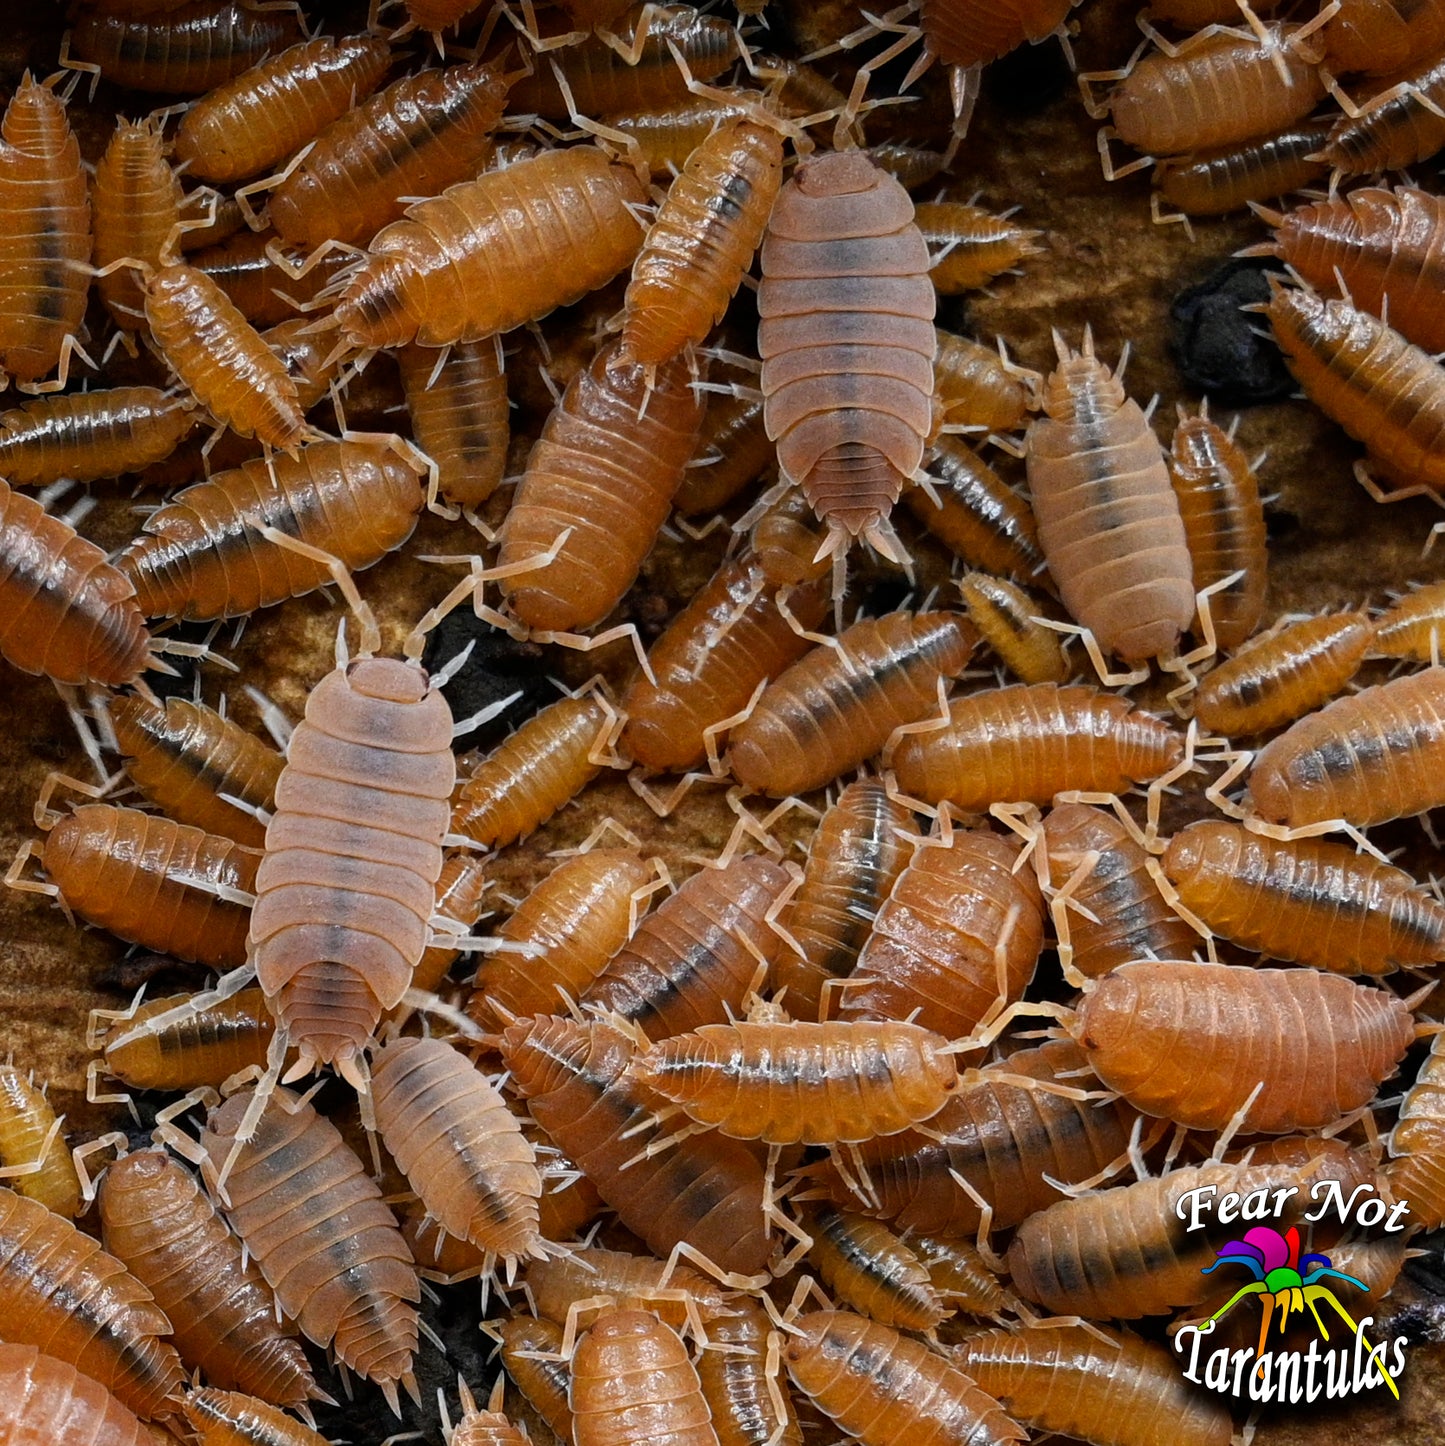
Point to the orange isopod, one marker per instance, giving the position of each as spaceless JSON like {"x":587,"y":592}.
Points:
{"x":1118,"y":913}
{"x":1280,"y":676}
{"x":977,"y":514}
{"x":1008,"y":620}
{"x":205,"y":1049}
{"x":667,"y":133}
{"x":579,"y":916}
{"x":974,"y":386}
{"x":314,"y":1222}
{"x":749,"y":1405}
{"x":912,"y":166}
{"x":307,"y":356}
{"x":463,"y":1151}
{"x":183,"y":756}
{"x":270,"y":111}
{"x":1124,"y":1391}
{"x":1311,"y":901}
{"x":694,"y":959}
{"x":1215,"y":182}
{"x":1223,"y":85}
{"x":45,"y":258}
{"x":1363,"y":374}
{"x":1378,"y":36}
{"x":137,"y":200}
{"x":231,"y":1418}
{"x":156,"y":1219}
{"x":632,"y":1381}
{"x":958,"y":937}
{"x":597,"y":489}
{"x":1399,"y":124}
{"x":567,"y":1288}
{"x":1223,"y":517}
{"x":846,"y":338}
{"x":573,"y":1077}
{"x":490,"y":254}
{"x":153,"y":882}
{"x":202,"y":554}
{"x":997,"y":1140}
{"x":1414,"y":627}
{"x":60,"y":1291}
{"x":192,"y":49}
{"x":33,"y":1157}
{"x":881,"y":1387}
{"x":1190,"y":1043}
{"x":1028,"y":742}
{"x":526,"y":1344}
{"x":840,"y":703}
{"x":1389,"y":245}
{"x":44,"y":1400}
{"x":867,"y":1267}
{"x":854,"y":858}
{"x":960,"y":1276}
{"x":547,"y":762}
{"x":972,"y":245}
{"x":733,"y":449}
{"x":1108,"y":520}
{"x":244,"y":266}
{"x":89,"y":435}
{"x":702,"y":240}
{"x":459,"y":415}
{"x":461,"y":886}
{"x":1364,"y":759}
{"x":794,"y":1082}
{"x":731,"y":637}
{"x":417,"y":137}
{"x":217,"y":354}
{"x":1416,"y":1170}
{"x":1124,"y":1252}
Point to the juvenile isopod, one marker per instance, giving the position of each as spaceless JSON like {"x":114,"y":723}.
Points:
{"x":709,"y":1195}
{"x":866,"y":1266}
{"x":847,"y":341}
{"x":956,"y":940}
{"x":1108,"y":520}
{"x":314,"y":1222}
{"x":231,"y":1418}
{"x":490,"y":254}
{"x":791,"y":1082}
{"x":695,"y":957}
{"x":1384,"y":391}
{"x":272,"y":110}
{"x":45,"y":258}
{"x":1364,"y":759}
{"x":1282,"y":675}
{"x":854,"y":859}
{"x":33,"y":1157}
{"x":1216,"y":182}
{"x":1312,"y":901}
{"x":61,"y":1291}
{"x":193,"y":48}
{"x":459,"y":415}
{"x":203,"y":554}
{"x":1027,"y":743}
{"x":1192,"y":1043}
{"x":90,"y":435}
{"x":156,"y":1219}
{"x":184,"y":757}
{"x":453,"y":1137}
{"x":975,"y":387}
{"x":547,"y":762}
{"x":417,"y":137}
{"x":882,"y":1387}
{"x":1414,"y":627}
{"x":531,"y":1351}
{"x":750,"y":1404}
{"x":840,"y":703}
{"x":973,"y":245}
{"x":1223,"y":517}
{"x":597,"y":489}
{"x":1106,"y":906}
{"x":1121,"y":1391}
{"x":1008,"y":620}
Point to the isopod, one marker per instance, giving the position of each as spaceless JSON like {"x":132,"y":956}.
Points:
{"x":33,"y":1157}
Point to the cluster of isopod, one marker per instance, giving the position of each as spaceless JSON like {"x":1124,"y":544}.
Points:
{"x":759,"y":1140}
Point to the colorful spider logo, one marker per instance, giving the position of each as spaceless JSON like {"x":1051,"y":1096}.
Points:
{"x":1279,"y":1280}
